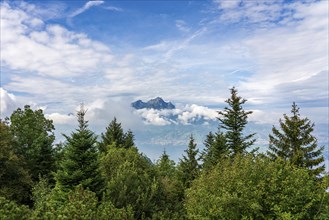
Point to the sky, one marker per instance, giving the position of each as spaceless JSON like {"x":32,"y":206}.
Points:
{"x":56,"y":55}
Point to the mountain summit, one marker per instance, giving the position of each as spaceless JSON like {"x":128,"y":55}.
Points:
{"x":156,"y":103}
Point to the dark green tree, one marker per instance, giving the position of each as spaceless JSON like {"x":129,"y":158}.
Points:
{"x":129,"y":139}
{"x":188,"y":166}
{"x":130,"y":181}
{"x":33,"y":140}
{"x":15,"y":181}
{"x":172,"y":191}
{"x":215,"y":149}
{"x":233,"y":120}
{"x":296,"y":143}
{"x":114,"y":135}
{"x":80,"y":163}
{"x":10,"y":210}
{"x":165,"y":166}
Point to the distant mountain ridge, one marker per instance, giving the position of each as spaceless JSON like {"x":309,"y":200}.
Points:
{"x":156,"y":103}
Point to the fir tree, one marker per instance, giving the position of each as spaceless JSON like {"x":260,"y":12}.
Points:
{"x":128,"y":139}
{"x":296,"y":143}
{"x":165,"y":166}
{"x":116,"y":137}
{"x":215,"y":149}
{"x":80,"y":161}
{"x":189,"y":167}
{"x":233,"y":121}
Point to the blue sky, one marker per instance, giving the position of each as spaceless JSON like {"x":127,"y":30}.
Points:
{"x":106,"y":54}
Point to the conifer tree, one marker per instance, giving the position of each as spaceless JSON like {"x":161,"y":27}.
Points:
{"x":128,"y":139}
{"x":215,"y":149}
{"x":115,"y":136}
{"x":233,"y":120}
{"x":80,"y":163}
{"x":296,"y":143}
{"x":189,"y":167}
{"x":165,"y":166}
{"x":171,"y":204}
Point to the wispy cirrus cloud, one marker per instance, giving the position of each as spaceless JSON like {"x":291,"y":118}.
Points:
{"x":88,"y":5}
{"x":113,"y":8}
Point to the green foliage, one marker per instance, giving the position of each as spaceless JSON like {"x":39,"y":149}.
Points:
{"x":215,"y":149}
{"x":117,"y":182}
{"x":80,"y":164}
{"x":9,"y":210}
{"x":255,"y":188}
{"x":33,"y":138}
{"x":165,"y":167}
{"x":106,"y":210}
{"x":79,"y":203}
{"x":189,"y":167}
{"x":296,"y":143}
{"x":233,"y":120}
{"x":130,"y":181}
{"x":172,"y":190}
{"x":115,"y":136}
{"x":15,"y":182}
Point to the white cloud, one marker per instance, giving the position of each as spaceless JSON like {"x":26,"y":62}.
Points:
{"x":113,"y":8}
{"x":8,"y":103}
{"x":88,"y":5}
{"x":287,"y":55}
{"x":182,"y":26}
{"x":59,"y":118}
{"x":152,"y":116}
{"x":182,"y":115}
{"x":28,"y":44}
{"x":193,"y":112}
{"x":261,"y":12}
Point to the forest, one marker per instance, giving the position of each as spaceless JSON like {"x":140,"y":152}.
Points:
{"x":106,"y":177}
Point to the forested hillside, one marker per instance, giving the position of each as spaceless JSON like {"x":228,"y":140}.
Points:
{"x":106,"y":177}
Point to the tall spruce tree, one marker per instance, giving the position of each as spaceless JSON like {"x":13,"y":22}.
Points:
{"x":115,"y":136}
{"x":215,"y":149}
{"x":233,"y":120}
{"x":165,"y":166}
{"x":189,"y":167}
{"x":172,"y":190}
{"x":80,"y":164}
{"x":296,"y":143}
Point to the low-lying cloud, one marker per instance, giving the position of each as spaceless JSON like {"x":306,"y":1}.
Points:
{"x":185,"y":115}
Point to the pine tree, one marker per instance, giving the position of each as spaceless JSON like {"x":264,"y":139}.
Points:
{"x":233,"y":121}
{"x":296,"y":143}
{"x":128,"y":139}
{"x":215,"y":149}
{"x":116,"y":137}
{"x":189,"y":167}
{"x":172,"y":189}
{"x":80,"y":161}
{"x":165,"y":166}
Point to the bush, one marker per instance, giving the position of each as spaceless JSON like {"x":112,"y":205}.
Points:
{"x":255,"y":188}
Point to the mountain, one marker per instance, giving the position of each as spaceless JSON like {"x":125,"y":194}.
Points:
{"x":156,"y":103}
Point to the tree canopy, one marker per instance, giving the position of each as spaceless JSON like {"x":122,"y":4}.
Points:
{"x":80,"y":163}
{"x":296,"y":143}
{"x":111,"y":179}
{"x":233,"y":120}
